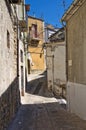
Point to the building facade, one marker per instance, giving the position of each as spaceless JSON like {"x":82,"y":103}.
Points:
{"x":9,"y":83}
{"x":76,"y":52}
{"x":36,"y":58}
{"x":49,"y":30}
{"x":56,"y":62}
{"x":22,"y":44}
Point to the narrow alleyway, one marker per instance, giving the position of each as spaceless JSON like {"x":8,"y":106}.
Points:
{"x":40,"y":110}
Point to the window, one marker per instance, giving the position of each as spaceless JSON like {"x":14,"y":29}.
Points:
{"x":22,"y":78}
{"x":21,"y":54}
{"x":8,"y":39}
{"x":34,"y":30}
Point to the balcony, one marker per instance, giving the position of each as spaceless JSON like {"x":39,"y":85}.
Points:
{"x":23,"y":25}
{"x":22,"y":17}
{"x":34,"y":41}
{"x":15,"y":1}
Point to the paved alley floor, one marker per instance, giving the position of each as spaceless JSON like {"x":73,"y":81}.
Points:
{"x":42,"y":111}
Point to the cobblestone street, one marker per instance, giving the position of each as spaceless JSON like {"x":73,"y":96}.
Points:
{"x":40,"y":110}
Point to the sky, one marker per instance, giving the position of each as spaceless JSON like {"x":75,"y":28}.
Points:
{"x":51,"y":11}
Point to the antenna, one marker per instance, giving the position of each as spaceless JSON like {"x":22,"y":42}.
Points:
{"x":42,"y":16}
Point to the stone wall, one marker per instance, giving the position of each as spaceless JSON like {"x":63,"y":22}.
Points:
{"x":9,"y":84}
{"x":9,"y":104}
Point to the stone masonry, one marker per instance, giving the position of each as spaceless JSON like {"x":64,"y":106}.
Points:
{"x":9,"y":90}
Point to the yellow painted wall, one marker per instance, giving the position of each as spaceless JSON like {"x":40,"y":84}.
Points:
{"x":35,"y":52}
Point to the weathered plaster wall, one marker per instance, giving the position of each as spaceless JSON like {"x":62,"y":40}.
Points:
{"x":76,"y":38}
{"x":9,"y":90}
{"x":60,"y":63}
{"x":76,"y":42}
{"x":56,"y":65}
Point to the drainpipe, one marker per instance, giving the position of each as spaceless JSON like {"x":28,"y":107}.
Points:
{"x":67,"y":77}
{"x":17,"y":52}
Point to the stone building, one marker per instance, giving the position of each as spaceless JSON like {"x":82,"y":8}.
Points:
{"x":75,"y":19}
{"x":36,"y":58}
{"x":56,"y":62}
{"x":9,"y":84}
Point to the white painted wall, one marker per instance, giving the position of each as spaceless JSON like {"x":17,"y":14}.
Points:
{"x":8,"y":63}
{"x":56,"y":64}
{"x":21,"y":47}
{"x":76,"y":95}
{"x":49,"y":70}
{"x":60,"y":63}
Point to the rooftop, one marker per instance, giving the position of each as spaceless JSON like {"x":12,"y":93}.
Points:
{"x":33,"y":17}
{"x":72,"y":9}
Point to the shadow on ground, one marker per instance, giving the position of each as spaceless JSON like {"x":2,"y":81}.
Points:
{"x":40,"y":110}
{"x":46,"y":116}
{"x":37,"y":85}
